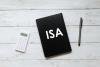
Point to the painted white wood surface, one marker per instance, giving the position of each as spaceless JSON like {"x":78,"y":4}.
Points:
{"x":49,"y":4}
{"x":19,"y":15}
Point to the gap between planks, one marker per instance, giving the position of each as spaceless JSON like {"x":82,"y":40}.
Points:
{"x":51,"y":9}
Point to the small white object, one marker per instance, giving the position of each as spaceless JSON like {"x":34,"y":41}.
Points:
{"x":22,"y":42}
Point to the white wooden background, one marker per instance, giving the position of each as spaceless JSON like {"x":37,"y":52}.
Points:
{"x":19,"y":15}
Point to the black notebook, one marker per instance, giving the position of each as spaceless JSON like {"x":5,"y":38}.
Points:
{"x":53,"y":35}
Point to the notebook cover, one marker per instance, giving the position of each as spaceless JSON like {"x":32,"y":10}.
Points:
{"x":53,"y":35}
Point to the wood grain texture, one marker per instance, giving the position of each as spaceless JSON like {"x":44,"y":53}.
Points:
{"x":27,"y":18}
{"x":17,"y":16}
{"x":49,"y":4}
{"x":35,"y":52}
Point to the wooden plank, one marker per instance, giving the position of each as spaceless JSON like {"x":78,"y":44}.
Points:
{"x":87,"y":51}
{"x":50,"y":63}
{"x":27,"y":18}
{"x":27,"y":63}
{"x":49,"y":4}
{"x":87,"y":63}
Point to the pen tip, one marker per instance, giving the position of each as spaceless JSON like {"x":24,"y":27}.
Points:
{"x":79,"y":45}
